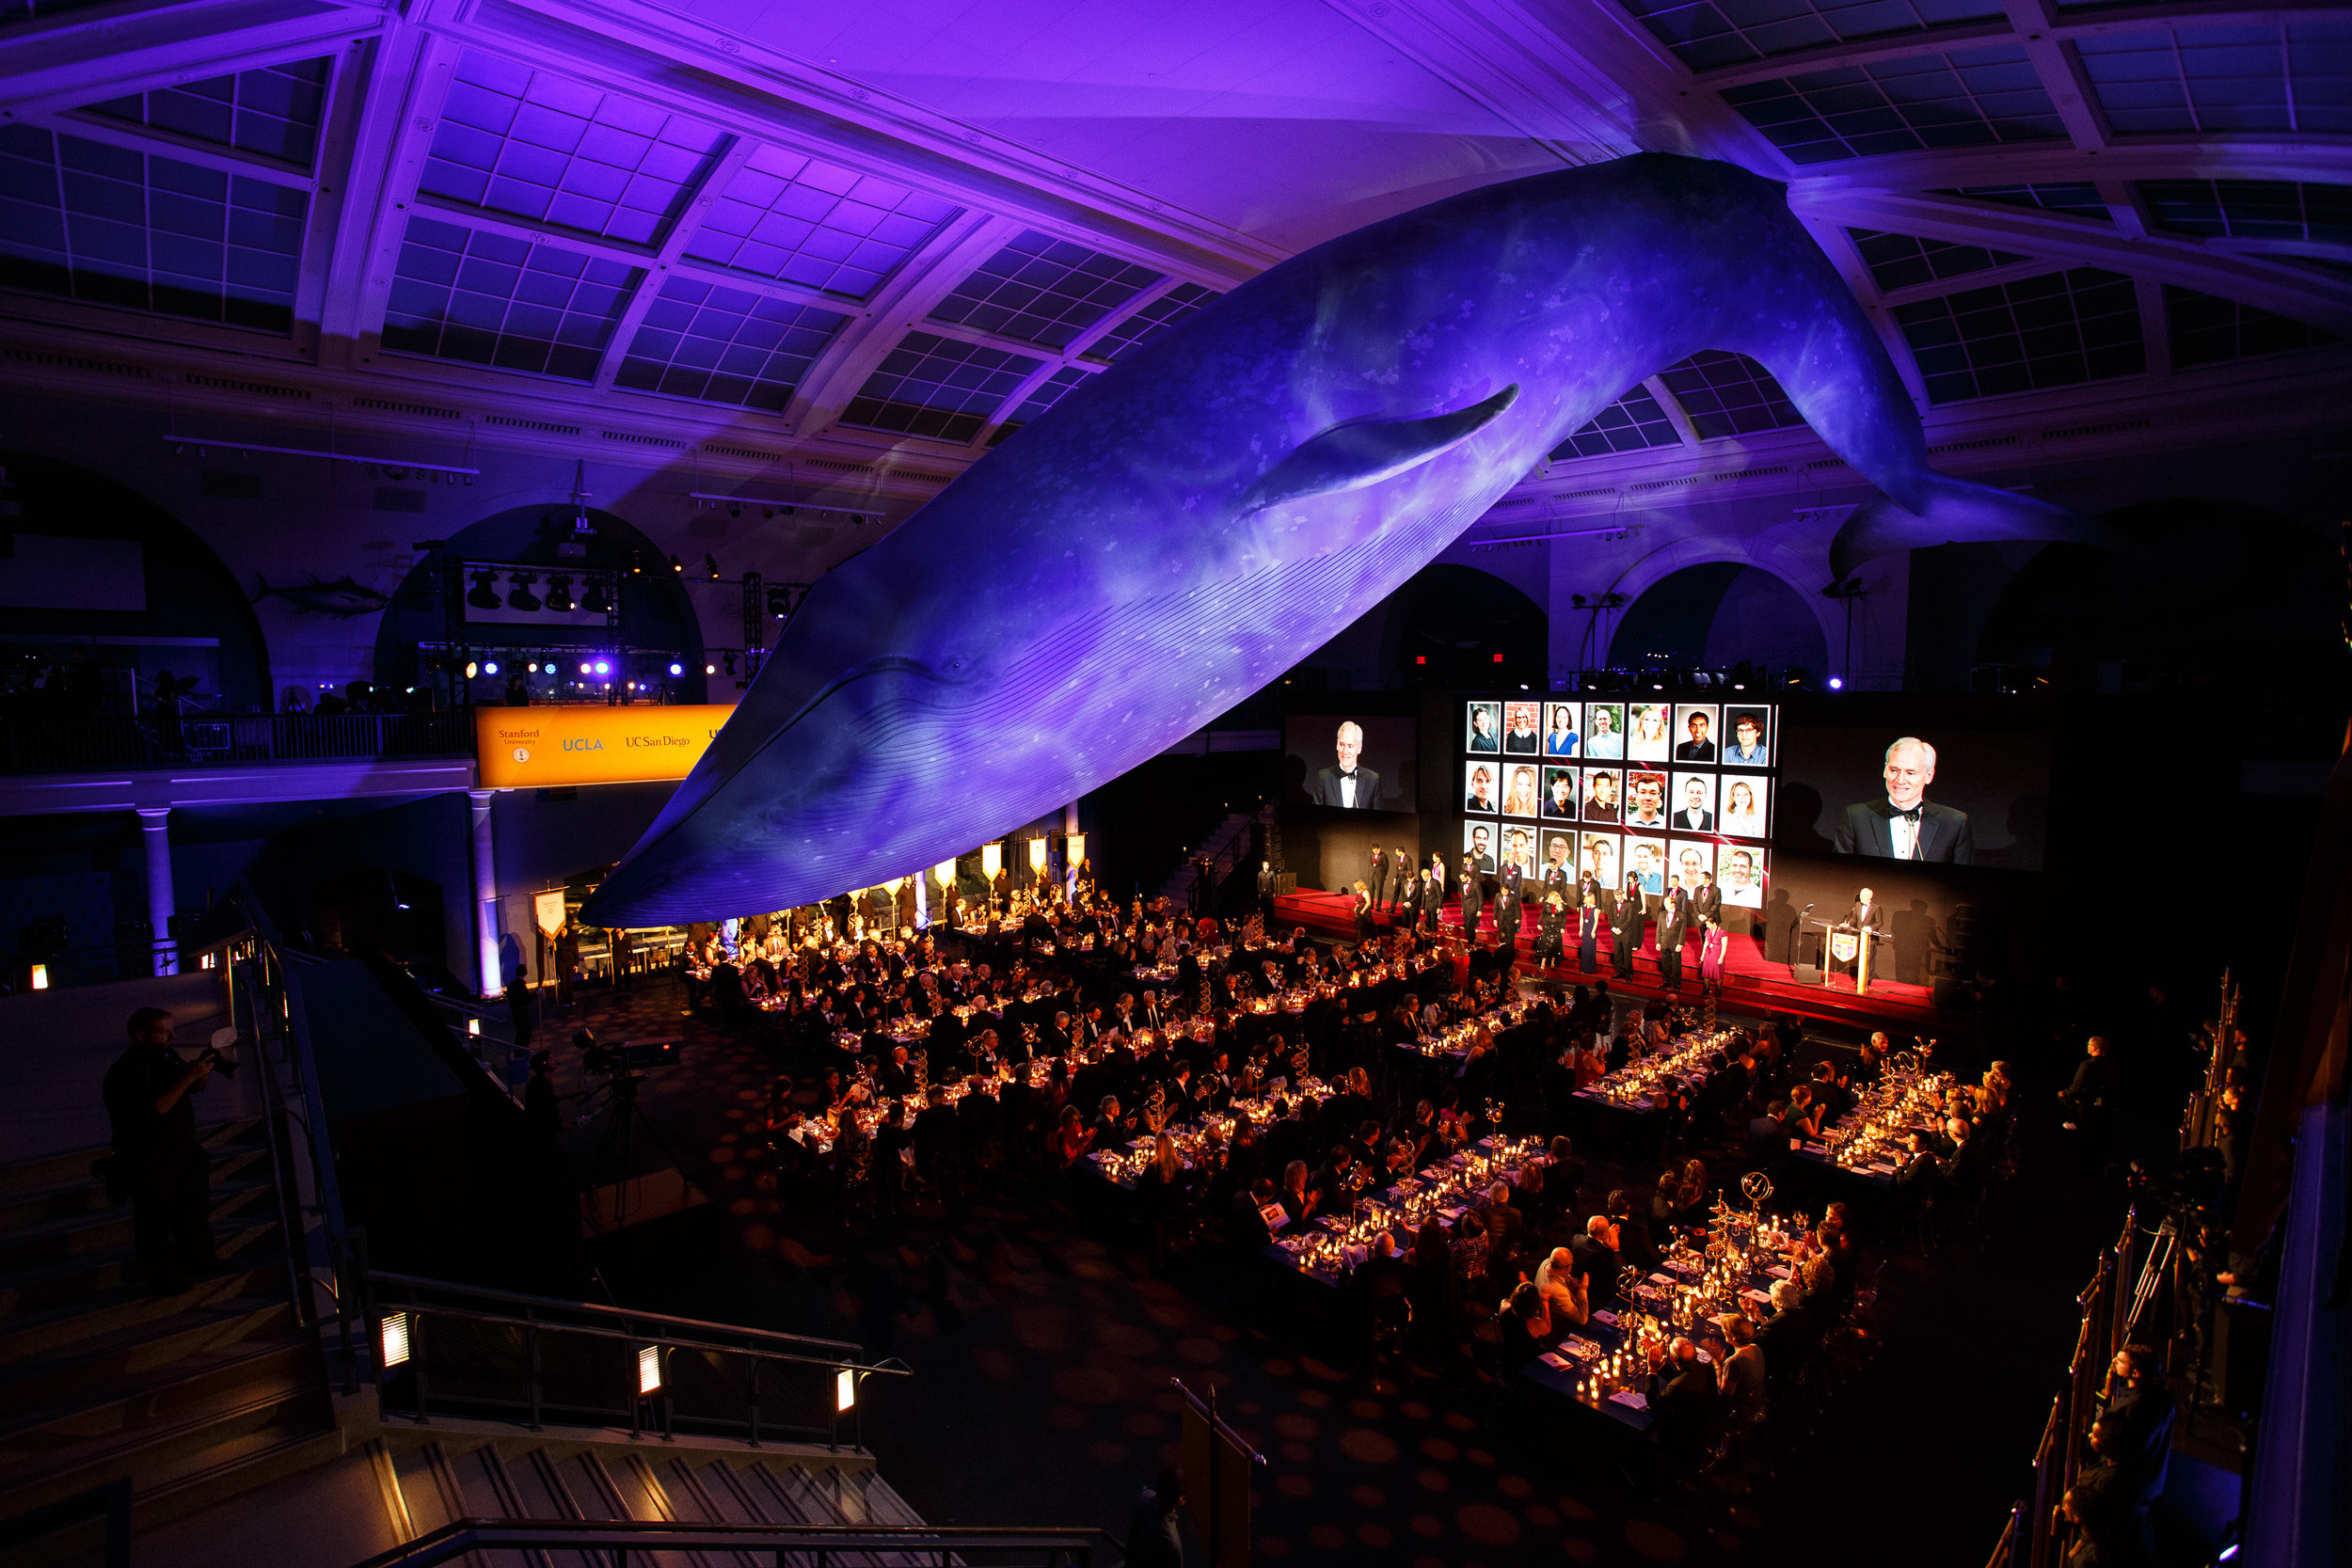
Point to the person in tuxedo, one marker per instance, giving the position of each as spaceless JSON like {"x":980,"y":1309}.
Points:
{"x":1673,"y":923}
{"x":1432,"y":897}
{"x":1865,"y":919}
{"x":1556,"y":877}
{"x":1347,"y":782}
{"x":1400,"y":876}
{"x":1700,"y":746}
{"x":1707,"y":903}
{"x":1625,"y":931}
{"x":1507,"y":914}
{"x":1473,"y":897}
{"x":1905,"y":824}
{"x":1266,"y":888}
{"x":1405,"y":909}
{"x":1588,"y":925}
{"x":1376,"y":880}
{"x":1694,"y":816}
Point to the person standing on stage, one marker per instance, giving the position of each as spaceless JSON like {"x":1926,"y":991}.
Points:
{"x":1507,"y":913}
{"x":1714,"y":947}
{"x":1404,"y":905}
{"x":1473,"y":898}
{"x":1625,"y":932}
{"x":1674,"y":922}
{"x":1549,"y":927}
{"x":1865,"y":920}
{"x":1364,"y":912}
{"x":1376,"y":881}
{"x":1400,"y":876}
{"x":1588,"y":924}
{"x":1707,"y":903}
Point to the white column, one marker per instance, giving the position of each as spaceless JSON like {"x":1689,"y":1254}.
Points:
{"x":485,"y":893}
{"x":156,"y":832}
{"x":922,"y":900}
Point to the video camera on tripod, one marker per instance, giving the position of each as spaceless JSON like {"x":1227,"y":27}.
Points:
{"x":630,"y":1058}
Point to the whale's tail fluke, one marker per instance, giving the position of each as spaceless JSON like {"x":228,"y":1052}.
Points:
{"x":1959,"y":513}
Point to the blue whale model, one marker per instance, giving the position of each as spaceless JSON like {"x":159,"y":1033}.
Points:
{"x":1184,"y":527}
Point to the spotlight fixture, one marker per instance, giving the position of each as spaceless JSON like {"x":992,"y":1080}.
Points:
{"x":677,"y":669}
{"x":677,"y":566}
{"x":710,"y":669}
{"x":585,"y":668}
{"x":560,"y":594}
{"x":519,"y":596}
{"x":604,"y":667}
{"x":710,"y":568}
{"x":734,"y":511}
{"x":730,"y":664}
{"x":484,"y":597}
{"x":490,"y":667}
{"x":473,"y":669}
{"x":596,"y":601}
{"x":767,"y":511}
{"x":1837,"y":683}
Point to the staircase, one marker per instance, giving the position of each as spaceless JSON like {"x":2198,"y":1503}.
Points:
{"x":1226,"y":844}
{"x":102,"y":1384}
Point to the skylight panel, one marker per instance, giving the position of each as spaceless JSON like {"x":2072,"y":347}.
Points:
{"x":938,"y":387}
{"x":717,"y":344}
{"x":1634,"y":422}
{"x":1729,"y":394}
{"x":1043,"y":291}
{"x":801,"y":220}
{"x":2054,"y":330}
{"x":273,"y":111}
{"x":483,"y":299}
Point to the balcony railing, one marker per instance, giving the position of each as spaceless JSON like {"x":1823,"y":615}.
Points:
{"x":45,"y":744}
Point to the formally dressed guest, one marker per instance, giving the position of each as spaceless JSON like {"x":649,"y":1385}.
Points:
{"x":1589,"y":922}
{"x":1473,"y":896}
{"x":1625,"y":931}
{"x":1507,"y":918}
{"x":1552,"y":923}
{"x":1400,"y":874}
{"x":1405,"y":908}
{"x":1364,"y":927}
{"x":1714,"y":952}
{"x":1525,"y":1319}
{"x":1560,"y":740}
{"x":1903,"y":824}
{"x":1706,"y":900}
{"x":1867,"y":920}
{"x":1376,"y":878}
{"x":1742,"y":1374}
{"x":1674,"y":924}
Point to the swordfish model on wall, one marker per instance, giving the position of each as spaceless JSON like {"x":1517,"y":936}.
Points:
{"x":1184,"y":527}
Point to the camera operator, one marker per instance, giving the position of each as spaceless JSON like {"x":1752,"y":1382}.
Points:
{"x":160,"y":1164}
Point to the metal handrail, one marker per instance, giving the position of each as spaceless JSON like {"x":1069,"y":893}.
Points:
{"x":39,"y":743}
{"x":625,"y":1316}
{"x":620,"y":1537}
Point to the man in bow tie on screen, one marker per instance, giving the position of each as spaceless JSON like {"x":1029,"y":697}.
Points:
{"x":1347,"y":784}
{"x":1905,"y":824}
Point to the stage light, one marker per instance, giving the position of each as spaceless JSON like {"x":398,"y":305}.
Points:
{"x":473,"y":669}
{"x":710,"y":669}
{"x":1837,"y":683}
{"x":596,"y":601}
{"x":560,"y":595}
{"x":844,"y":1389}
{"x":677,"y":669}
{"x":491,"y":668}
{"x":394,"y":1340}
{"x":604,"y":667}
{"x":710,"y":568}
{"x":40,"y":976}
{"x":585,"y":668}
{"x":521,"y":598}
{"x":730,"y":664}
{"x":484,"y":597}
{"x":734,"y":511}
{"x":649,"y":1370}
{"x":677,"y":566}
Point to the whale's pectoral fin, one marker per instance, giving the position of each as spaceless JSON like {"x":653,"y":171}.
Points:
{"x":1350,"y":457}
{"x":1959,"y":512}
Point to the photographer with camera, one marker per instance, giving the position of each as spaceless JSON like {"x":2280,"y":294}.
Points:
{"x":160,"y":1166}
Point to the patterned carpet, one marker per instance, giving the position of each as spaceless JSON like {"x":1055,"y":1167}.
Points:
{"x":1044,"y":1342}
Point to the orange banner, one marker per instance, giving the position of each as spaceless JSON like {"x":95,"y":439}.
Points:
{"x":535,"y":748}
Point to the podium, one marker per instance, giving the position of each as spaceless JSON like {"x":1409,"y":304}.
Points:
{"x":1850,"y":944}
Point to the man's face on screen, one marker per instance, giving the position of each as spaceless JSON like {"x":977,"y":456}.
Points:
{"x":1908,"y":775}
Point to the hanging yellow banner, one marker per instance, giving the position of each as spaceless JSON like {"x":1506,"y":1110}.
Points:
{"x":536,"y":748}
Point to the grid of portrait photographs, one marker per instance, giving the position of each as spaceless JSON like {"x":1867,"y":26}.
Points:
{"x":1639,"y":786}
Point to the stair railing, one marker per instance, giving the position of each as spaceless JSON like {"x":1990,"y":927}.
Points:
{"x":820,"y":1546}
{"x":465,"y":1352}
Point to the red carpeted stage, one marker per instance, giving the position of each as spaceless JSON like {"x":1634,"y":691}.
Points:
{"x":1749,"y":981}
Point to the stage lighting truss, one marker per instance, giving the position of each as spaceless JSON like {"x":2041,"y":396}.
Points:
{"x":598,"y":591}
